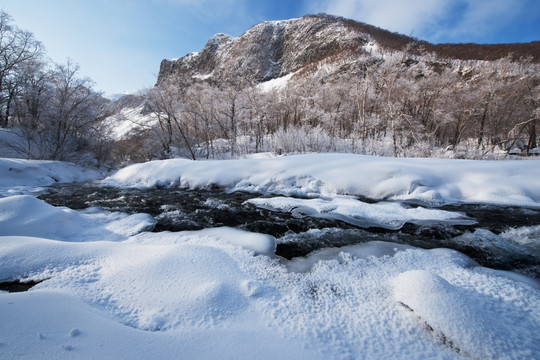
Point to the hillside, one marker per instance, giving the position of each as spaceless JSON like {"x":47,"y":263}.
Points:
{"x":327,"y":84}
{"x":274,"y":49}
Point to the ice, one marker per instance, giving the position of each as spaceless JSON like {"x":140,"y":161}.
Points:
{"x":528,"y":236}
{"x":389,"y":215}
{"x":512,"y":241}
{"x":363,"y":251}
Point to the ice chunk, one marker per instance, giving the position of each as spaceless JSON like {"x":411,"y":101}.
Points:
{"x":390,"y":215}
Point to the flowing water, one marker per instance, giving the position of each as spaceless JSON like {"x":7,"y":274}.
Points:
{"x":505,"y":238}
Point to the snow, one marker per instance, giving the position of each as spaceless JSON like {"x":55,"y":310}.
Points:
{"x":116,"y":96}
{"x":109,"y":288}
{"x":371,"y":47}
{"x":348,"y":209}
{"x":21,"y":176}
{"x":157,"y":293}
{"x":10,"y":140}
{"x":429,"y":181}
{"x":27,"y":216}
{"x":457,"y":315}
{"x":129,"y":120}
{"x":203,"y":76}
{"x":275,"y":84}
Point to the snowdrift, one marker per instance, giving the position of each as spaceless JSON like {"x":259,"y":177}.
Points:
{"x":200,"y":294}
{"x":108,"y":288}
{"x":430,"y":181}
{"x":18,"y":174}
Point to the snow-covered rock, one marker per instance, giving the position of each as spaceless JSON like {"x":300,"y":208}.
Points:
{"x":24,"y":215}
{"x":267,"y":51}
{"x":20,"y":176}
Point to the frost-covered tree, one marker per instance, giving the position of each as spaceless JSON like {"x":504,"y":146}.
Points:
{"x":176,"y":127}
{"x":19,"y":52}
{"x":58,"y":114}
{"x":54,"y":111}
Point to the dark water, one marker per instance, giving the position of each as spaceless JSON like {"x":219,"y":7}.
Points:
{"x":181,"y":209}
{"x":17,"y":285}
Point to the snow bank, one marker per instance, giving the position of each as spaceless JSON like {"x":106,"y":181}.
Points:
{"x":24,"y":215}
{"x":198,"y":295}
{"x":18,"y":173}
{"x":466,"y":320}
{"x":431,"y":181}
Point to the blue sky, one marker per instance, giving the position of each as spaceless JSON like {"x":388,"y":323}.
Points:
{"x":120,"y":43}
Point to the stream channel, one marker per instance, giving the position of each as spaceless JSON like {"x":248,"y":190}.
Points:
{"x":490,"y":241}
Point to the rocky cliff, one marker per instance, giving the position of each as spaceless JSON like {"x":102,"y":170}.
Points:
{"x":273,"y":49}
{"x":267,"y":51}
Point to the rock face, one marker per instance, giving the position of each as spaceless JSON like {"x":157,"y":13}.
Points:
{"x":274,"y":49}
{"x":267,"y":51}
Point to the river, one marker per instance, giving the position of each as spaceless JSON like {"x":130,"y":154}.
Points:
{"x":501,"y":238}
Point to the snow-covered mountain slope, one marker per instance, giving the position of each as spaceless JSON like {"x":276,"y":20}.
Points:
{"x":274,"y":49}
{"x":267,"y":51}
{"x":341,"y":58}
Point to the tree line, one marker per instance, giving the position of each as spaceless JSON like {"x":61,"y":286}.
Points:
{"x":397,"y":104}
{"x":54,"y":113}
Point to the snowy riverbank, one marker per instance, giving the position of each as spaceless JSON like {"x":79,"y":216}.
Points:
{"x":111,"y":289}
{"x":433,"y":181}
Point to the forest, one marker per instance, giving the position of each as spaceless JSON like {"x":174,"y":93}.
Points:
{"x":400,"y":105}
{"x":406,"y":102}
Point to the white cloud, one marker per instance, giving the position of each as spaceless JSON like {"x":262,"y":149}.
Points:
{"x":432,"y":20}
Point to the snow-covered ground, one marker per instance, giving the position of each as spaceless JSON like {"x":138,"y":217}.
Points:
{"x":112,"y":289}
{"x":19,"y":176}
{"x":430,"y":181}
{"x":127,"y":121}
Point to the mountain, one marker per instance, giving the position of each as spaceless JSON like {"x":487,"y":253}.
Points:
{"x":273,"y":49}
{"x":324,"y":83}
{"x":267,"y":51}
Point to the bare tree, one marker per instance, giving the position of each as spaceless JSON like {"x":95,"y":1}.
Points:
{"x":17,"y":49}
{"x":166,"y":102}
{"x":58,"y":114}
